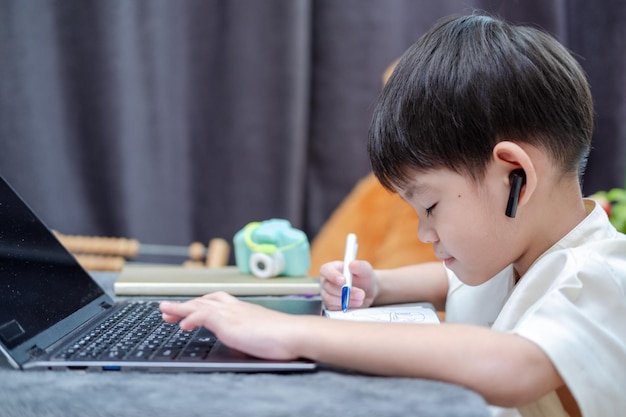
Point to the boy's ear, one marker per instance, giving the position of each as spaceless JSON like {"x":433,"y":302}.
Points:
{"x":508,"y":157}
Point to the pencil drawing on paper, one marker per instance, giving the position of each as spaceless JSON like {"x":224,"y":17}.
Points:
{"x":412,"y":316}
{"x":399,"y":313}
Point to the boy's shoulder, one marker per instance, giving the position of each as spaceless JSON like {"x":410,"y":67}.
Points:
{"x":593,"y":249}
{"x":594,"y":232}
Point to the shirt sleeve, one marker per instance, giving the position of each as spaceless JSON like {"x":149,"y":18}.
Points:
{"x":578,"y":320}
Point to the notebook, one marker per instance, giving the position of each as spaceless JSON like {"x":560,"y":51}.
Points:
{"x":417,"y":313}
{"x":173,"y":280}
{"x":53,"y":315}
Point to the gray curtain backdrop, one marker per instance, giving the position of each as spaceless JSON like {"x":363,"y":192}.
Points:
{"x":173,"y":121}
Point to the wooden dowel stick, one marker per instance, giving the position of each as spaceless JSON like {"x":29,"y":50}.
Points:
{"x":100,"y":262}
{"x":131,"y":248}
{"x":218,"y":253}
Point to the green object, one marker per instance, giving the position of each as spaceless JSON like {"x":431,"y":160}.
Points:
{"x":617,"y":212}
{"x":272,"y":248}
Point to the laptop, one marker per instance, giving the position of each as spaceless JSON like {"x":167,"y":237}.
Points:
{"x":54,"y":316}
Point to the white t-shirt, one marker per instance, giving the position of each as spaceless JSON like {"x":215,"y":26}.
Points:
{"x":572,"y":303}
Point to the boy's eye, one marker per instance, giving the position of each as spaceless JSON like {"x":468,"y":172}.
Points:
{"x":429,"y":210}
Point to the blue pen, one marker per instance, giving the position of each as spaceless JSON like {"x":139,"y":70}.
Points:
{"x":349,"y":256}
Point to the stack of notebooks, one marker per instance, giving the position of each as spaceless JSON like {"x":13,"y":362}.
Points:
{"x":165,"y":280}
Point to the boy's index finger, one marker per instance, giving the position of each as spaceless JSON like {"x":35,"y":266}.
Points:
{"x":174,"y":308}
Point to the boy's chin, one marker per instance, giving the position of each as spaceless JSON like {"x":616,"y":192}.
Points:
{"x":469,"y":278}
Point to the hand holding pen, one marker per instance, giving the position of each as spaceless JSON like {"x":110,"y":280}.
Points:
{"x":349,"y":256}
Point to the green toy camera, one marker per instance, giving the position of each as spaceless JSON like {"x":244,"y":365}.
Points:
{"x":272,"y":248}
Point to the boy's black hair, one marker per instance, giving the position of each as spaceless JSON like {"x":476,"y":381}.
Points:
{"x":471,"y":82}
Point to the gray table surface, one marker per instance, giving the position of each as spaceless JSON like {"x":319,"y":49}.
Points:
{"x":324,"y":392}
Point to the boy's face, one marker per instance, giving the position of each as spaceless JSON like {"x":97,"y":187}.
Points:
{"x":464,"y":221}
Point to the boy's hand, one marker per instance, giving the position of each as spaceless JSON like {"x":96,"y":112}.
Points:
{"x":238,"y":324}
{"x":364,"y":287}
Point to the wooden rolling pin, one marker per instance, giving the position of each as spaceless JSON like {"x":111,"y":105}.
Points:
{"x":100,"y":262}
{"x":107,"y":253}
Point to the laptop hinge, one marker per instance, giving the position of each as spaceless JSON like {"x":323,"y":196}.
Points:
{"x":105,"y":305}
{"x":35,"y":352}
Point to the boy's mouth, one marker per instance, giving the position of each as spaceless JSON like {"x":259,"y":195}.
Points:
{"x":448,"y":261}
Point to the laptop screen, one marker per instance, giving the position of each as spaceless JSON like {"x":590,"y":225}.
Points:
{"x":40,"y":282}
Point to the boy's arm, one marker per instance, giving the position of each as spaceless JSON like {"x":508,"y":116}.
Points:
{"x":506,"y":369}
{"x":421,"y":282}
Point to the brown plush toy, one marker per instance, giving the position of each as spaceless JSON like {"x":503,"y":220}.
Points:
{"x":385,"y":224}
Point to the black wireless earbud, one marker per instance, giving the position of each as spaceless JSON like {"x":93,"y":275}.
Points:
{"x":518,"y":179}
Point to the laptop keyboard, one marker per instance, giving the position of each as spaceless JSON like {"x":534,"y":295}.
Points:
{"x":137,"y":333}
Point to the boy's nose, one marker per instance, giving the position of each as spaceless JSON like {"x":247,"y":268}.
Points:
{"x":426,"y":233}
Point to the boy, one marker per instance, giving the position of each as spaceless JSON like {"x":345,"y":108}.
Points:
{"x":477,"y":113}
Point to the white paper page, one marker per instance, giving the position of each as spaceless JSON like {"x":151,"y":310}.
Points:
{"x":399,"y":313}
